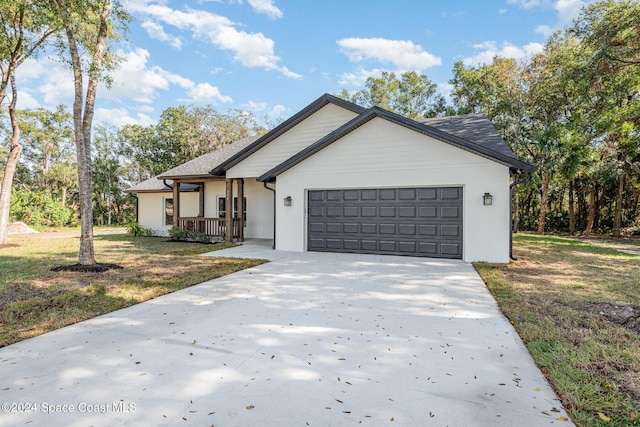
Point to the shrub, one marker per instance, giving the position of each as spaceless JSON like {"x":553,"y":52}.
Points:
{"x":39,"y":209}
{"x":137,"y":230}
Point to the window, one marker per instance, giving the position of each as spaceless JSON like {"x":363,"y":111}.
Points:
{"x":222,"y":207}
{"x":168,"y":211}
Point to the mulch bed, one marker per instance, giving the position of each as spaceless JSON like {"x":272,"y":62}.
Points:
{"x":91,"y":268}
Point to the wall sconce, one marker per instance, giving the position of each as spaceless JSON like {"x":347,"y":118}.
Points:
{"x":487,"y":199}
{"x":287,"y":201}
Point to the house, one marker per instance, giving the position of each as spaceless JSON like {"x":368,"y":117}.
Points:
{"x":338,"y":177}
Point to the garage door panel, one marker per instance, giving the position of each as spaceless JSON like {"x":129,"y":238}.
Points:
{"x":396,"y":221}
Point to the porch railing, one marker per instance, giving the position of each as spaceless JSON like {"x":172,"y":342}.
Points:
{"x":214,"y":227}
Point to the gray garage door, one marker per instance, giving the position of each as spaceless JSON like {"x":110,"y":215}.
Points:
{"x":393,"y":221}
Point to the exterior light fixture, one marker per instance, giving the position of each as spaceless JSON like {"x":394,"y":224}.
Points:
{"x":487,"y":199}
{"x":287,"y":201}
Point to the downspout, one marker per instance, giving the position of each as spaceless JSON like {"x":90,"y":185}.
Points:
{"x":274,"y":213}
{"x":511,"y":188}
{"x":164,"y":181}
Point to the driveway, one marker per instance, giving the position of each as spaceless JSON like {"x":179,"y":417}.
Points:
{"x":313,"y":339}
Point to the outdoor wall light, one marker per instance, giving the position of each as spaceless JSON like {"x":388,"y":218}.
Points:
{"x":487,"y":199}
{"x":287,"y":201}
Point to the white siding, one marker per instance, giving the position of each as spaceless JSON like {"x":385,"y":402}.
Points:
{"x":382,"y":154}
{"x":151,"y":209}
{"x":325,"y":120}
{"x":259,"y":206}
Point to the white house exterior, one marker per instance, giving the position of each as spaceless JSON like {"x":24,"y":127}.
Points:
{"x":343,"y":178}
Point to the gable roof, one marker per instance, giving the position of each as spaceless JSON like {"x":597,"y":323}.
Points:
{"x":507,"y":159}
{"x":283,"y":127}
{"x":200,"y":166}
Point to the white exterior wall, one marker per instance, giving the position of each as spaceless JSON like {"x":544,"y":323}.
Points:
{"x":151,"y":209}
{"x":259,"y":206}
{"x":382,"y":154}
{"x":305,"y":133}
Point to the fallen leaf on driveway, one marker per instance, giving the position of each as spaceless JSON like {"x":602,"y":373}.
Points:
{"x":250,"y":407}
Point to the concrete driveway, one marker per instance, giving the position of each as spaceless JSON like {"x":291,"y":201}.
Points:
{"x":308,"y":339}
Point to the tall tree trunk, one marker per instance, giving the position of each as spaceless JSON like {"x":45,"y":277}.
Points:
{"x":592,"y":209}
{"x":572,"y":213}
{"x":544,"y":199}
{"x":83,"y":122}
{"x":617,"y":216}
{"x":9,"y":170}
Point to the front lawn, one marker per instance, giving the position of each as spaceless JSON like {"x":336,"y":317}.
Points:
{"x":576,"y":305}
{"x":35,"y":300}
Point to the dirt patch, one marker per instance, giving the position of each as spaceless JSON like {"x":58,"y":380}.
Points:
{"x":621,"y":313}
{"x":9,"y":245}
{"x":20,"y":228}
{"x":92,"y":268}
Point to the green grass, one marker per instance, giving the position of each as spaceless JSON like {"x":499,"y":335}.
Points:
{"x":551,"y":294}
{"x":35,"y":300}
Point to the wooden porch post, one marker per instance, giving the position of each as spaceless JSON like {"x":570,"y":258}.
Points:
{"x":241,"y":210}
{"x":201,"y":210}
{"x":176,"y":203}
{"x":228,"y":218}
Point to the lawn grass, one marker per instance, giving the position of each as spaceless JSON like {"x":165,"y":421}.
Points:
{"x":556,"y":296}
{"x":35,"y":300}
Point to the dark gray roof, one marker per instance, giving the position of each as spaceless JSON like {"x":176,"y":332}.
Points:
{"x":476,"y":128}
{"x":515,"y":165}
{"x":201,"y":166}
{"x":155,"y":185}
{"x":284,"y":127}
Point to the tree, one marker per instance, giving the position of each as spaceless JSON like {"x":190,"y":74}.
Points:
{"x":26,"y":26}
{"x":413,"y":95}
{"x":610,"y":39}
{"x":88,"y":26}
{"x":182,"y":134}
{"x":499,"y":91}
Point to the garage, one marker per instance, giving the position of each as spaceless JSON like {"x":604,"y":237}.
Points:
{"x":422,"y":221}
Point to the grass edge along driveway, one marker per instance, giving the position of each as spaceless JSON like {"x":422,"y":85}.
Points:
{"x":576,"y":306}
{"x":35,"y":300}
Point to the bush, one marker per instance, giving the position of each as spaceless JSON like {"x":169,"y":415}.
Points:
{"x":189,"y":235}
{"x":40,"y":209}
{"x":136,"y":230}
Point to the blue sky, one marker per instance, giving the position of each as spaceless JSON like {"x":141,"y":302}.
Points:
{"x":273,"y":57}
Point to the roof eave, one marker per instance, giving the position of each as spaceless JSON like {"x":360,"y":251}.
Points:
{"x":424,"y":129}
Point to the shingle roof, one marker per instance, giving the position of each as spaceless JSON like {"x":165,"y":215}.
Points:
{"x":198,"y":167}
{"x":475,"y":128}
{"x":503,"y":158}
{"x":201,"y":166}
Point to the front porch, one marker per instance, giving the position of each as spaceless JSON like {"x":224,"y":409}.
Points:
{"x":233,"y":219}
{"x":212,"y":227}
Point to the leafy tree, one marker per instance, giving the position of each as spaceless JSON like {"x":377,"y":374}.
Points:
{"x":88,"y":26}
{"x":183,"y":133}
{"x":26,"y":26}
{"x":609,"y":32}
{"x":412,"y":95}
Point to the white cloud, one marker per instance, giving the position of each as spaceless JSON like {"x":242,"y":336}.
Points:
{"x":267,"y":7}
{"x":204,"y":93}
{"x":490,"y":49}
{"x":568,"y":10}
{"x":155,"y":31}
{"x":502,"y":11}
{"x":545,"y":30}
{"x":252,"y":50}
{"x":358,"y":78}
{"x":254,"y":106}
{"x":403,"y":54}
{"x":120,"y":117}
{"x":26,"y":101}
